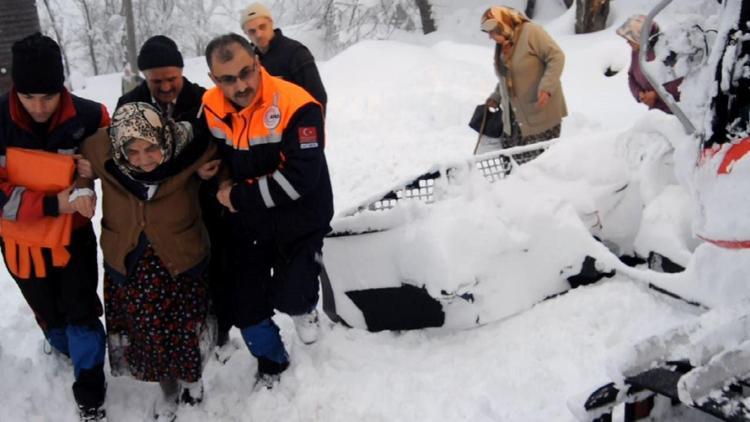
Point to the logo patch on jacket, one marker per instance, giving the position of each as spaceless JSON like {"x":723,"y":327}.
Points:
{"x":308,"y":137}
{"x":272,"y":117}
{"x":78,"y":134}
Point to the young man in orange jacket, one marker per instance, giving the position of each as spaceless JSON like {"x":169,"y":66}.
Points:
{"x":60,"y":287}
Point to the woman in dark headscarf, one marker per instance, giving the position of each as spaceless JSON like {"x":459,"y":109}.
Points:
{"x":155,"y":252}
{"x":639,"y":85}
{"x":528,"y":64}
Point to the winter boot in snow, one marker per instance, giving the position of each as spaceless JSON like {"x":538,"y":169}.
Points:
{"x":269,"y":373}
{"x":307,"y":326}
{"x":264,"y":342}
{"x":92,"y":414}
{"x":165,"y":407}
{"x":267,"y":381}
{"x":222,"y":338}
{"x":225,"y":351}
{"x":191,"y":393}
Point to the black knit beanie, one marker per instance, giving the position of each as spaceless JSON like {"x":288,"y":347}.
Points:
{"x":159,"y":51}
{"x":37,"y":65}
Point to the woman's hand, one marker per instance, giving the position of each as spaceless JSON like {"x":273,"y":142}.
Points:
{"x":648,"y":98}
{"x":85,"y":205}
{"x":83,"y":167}
{"x":224,"y":195}
{"x":63,"y":201}
{"x":209,"y":169}
{"x":542,"y":99}
{"x":80,"y":200}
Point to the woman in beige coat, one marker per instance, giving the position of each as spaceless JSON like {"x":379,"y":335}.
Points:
{"x":528,"y":64}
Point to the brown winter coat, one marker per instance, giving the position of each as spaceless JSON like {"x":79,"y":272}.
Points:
{"x":171,"y":219}
{"x":536,"y":65}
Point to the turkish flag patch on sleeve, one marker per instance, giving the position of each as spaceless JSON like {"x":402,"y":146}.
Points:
{"x":308,"y":137}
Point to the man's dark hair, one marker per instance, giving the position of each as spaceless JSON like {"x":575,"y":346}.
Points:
{"x":220,"y":46}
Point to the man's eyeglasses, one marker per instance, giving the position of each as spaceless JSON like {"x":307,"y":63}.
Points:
{"x":244,"y":75}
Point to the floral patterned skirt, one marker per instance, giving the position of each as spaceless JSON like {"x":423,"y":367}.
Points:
{"x":158,"y":327}
{"x":516,"y":139}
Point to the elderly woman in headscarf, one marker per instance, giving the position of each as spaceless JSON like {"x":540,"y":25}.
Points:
{"x":640,"y":87}
{"x":528,"y":64}
{"x":155,"y":251}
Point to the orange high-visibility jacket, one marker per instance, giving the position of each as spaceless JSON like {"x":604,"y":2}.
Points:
{"x":274,"y":148}
{"x":43,"y":172}
{"x":262,"y":122}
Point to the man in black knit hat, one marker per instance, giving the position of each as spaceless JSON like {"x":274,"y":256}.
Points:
{"x":165,"y":87}
{"x":58,"y":280}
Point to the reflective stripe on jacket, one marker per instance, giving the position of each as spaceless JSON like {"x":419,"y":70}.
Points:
{"x":275,"y":151}
{"x":33,"y":203}
{"x":39,"y":171}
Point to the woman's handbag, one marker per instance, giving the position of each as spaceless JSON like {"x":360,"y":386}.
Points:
{"x":487,"y":122}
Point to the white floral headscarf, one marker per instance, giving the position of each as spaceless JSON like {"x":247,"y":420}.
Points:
{"x":144,"y":121}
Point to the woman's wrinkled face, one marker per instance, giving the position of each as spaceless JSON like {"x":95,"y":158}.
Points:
{"x":143,"y":154}
{"x":495,"y":31}
{"x":497,"y":37}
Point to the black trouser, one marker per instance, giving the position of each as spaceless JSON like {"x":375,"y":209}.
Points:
{"x":219,"y":274}
{"x":219,"y":279}
{"x":67,"y":308}
{"x":264,"y":279}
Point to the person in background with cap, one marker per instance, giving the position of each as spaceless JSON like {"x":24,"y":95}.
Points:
{"x":528,"y":64}
{"x":640,"y":87}
{"x":40,"y":114}
{"x":166,"y":88}
{"x":281,"y":56}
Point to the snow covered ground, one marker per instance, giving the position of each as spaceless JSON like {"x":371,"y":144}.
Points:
{"x":396,"y":108}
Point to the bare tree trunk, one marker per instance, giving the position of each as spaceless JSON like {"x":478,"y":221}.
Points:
{"x":58,"y":37}
{"x":18,"y":18}
{"x":425,"y":14}
{"x":530,"y":8}
{"x":591,"y":15}
{"x":327,"y":22}
{"x":89,"y":35}
{"x":129,"y":81}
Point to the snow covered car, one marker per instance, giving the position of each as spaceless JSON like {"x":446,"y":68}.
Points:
{"x":419,"y":255}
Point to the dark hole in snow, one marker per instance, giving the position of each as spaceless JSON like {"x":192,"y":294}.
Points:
{"x":398,"y":308}
{"x":608,"y":72}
